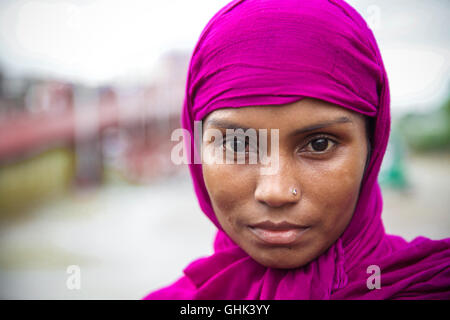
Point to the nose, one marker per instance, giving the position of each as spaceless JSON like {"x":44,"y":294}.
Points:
{"x":279,"y":189}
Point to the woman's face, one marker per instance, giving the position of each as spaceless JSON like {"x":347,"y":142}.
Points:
{"x":322,"y":153}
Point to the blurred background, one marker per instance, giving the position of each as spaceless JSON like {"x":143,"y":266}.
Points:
{"x":90,"y":91}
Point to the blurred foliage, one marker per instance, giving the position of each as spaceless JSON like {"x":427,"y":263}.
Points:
{"x":31,"y":180}
{"x":425,"y":132}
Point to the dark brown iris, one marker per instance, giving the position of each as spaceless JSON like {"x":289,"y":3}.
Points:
{"x":320,"y":144}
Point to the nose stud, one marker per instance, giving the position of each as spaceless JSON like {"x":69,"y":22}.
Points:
{"x":294,"y":191}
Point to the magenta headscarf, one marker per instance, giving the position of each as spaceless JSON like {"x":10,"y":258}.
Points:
{"x":274,"y":52}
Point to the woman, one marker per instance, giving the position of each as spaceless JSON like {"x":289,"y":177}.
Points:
{"x":309,"y":73}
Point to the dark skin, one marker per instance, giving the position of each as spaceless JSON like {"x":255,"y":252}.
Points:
{"x":325,"y":164}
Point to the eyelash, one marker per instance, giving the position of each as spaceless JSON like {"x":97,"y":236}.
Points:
{"x":322,"y":136}
{"x":310,"y":140}
{"x":225,"y":141}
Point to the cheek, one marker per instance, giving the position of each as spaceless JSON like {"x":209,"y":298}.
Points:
{"x":229,"y":188}
{"x":336,"y":190}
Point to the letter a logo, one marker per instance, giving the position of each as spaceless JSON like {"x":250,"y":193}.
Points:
{"x":374,"y":281}
{"x":74,"y":280}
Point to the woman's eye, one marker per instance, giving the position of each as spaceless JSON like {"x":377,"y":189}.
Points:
{"x":320,"y":145}
{"x":241,"y":145}
{"x":237,"y":145}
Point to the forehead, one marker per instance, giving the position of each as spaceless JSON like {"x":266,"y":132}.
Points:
{"x":303,"y":112}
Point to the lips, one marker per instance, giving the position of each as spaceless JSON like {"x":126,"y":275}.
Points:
{"x":282,"y":233}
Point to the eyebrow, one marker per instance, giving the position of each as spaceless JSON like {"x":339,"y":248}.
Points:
{"x":322,"y":125}
{"x":224,"y":124}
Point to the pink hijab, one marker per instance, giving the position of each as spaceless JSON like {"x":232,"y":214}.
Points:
{"x":274,"y":52}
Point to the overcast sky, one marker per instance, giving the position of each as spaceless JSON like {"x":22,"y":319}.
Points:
{"x":98,"y":41}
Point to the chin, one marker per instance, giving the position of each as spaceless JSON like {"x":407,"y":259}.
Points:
{"x":278,"y":262}
{"x":283,"y":265}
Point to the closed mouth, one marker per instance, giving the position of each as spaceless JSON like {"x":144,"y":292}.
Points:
{"x":281,"y":233}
